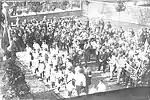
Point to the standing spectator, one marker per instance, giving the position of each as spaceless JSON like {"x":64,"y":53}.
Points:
{"x":80,"y":83}
{"x":88,"y":75}
{"x":70,"y":82}
{"x":109,"y":26}
{"x":44,"y":45}
{"x":103,"y":61}
{"x":102,"y":24}
{"x":36,"y":46}
{"x":41,"y":65}
{"x":101,"y":86}
{"x":86,"y":52}
{"x":122,"y":62}
{"x":112,"y":64}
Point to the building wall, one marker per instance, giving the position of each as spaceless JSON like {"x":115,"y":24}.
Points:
{"x":132,"y":14}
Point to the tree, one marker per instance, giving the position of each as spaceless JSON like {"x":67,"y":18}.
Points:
{"x":143,"y":16}
{"x":121,"y":6}
{"x":14,"y":78}
{"x":2,"y":17}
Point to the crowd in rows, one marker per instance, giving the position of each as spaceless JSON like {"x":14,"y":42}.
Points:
{"x":60,"y":49}
{"x":18,"y":8}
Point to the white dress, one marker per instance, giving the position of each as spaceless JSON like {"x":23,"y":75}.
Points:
{"x":41,"y":65}
{"x":35,"y":62}
{"x":47,"y":70}
{"x":53,"y":75}
{"x":69,"y":85}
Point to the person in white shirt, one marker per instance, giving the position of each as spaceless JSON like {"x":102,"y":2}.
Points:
{"x":68,"y":63}
{"x":36,"y":46}
{"x":54,"y":60}
{"x":121,"y":65}
{"x":41,"y":65}
{"x":44,"y":46}
{"x":94,"y":44}
{"x":35,"y":63}
{"x":101,"y":87}
{"x":131,"y":52}
{"x":48,"y":65}
{"x":53,"y":77}
{"x":80,"y":80}
{"x":28,"y":49}
{"x":70,"y":86}
{"x":112,"y":64}
{"x":53,"y":51}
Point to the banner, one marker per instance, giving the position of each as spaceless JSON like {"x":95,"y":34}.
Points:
{"x":130,"y":69}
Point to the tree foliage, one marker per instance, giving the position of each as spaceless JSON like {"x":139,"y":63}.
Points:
{"x":14,"y":78}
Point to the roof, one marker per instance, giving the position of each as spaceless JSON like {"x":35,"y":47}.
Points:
{"x":32,"y":0}
{"x":118,"y":0}
{"x":22,"y":0}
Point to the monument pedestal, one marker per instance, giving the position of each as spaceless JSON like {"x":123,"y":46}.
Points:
{"x":5,"y":12}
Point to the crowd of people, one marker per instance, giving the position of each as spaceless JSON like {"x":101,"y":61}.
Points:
{"x":60,"y":49}
{"x":17,"y":8}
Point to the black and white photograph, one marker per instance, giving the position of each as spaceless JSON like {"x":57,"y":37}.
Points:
{"x":74,"y":49}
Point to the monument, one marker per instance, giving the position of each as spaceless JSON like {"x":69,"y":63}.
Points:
{"x":3,"y":22}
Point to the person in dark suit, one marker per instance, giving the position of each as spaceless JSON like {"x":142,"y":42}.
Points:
{"x":103,"y":60}
{"x":102,"y":25}
{"x":86,"y":52}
